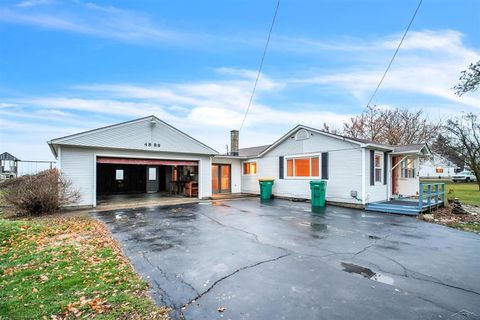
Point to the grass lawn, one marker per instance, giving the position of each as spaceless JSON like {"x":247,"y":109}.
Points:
{"x":68,"y":268}
{"x":466,"y":192}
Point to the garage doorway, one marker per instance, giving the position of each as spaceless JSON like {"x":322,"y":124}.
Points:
{"x":221,"y":178}
{"x":123,"y":179}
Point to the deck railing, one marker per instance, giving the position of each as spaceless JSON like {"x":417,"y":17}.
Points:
{"x":433,"y":193}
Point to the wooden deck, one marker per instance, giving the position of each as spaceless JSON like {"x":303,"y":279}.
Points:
{"x":431,"y":196}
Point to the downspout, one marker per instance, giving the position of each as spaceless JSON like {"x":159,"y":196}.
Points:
{"x":363,"y":177}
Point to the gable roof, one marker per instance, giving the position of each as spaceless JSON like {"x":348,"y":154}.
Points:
{"x":252,"y":151}
{"x":118,"y":133}
{"x":417,"y":148}
{"x":360,"y":142}
{"x":8,"y":156}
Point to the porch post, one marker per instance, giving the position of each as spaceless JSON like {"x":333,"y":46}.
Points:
{"x":420,"y":197}
{"x":363,"y":177}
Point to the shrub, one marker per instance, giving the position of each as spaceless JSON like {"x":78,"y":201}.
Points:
{"x":41,"y":193}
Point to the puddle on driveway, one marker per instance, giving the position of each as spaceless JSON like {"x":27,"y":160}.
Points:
{"x":366,"y":273}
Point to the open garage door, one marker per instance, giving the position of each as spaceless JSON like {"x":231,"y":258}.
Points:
{"x":156,"y":177}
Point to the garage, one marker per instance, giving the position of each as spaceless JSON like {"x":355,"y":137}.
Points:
{"x":143,"y":158}
{"x":139,"y":176}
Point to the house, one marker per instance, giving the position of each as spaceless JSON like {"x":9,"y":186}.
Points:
{"x":437,"y":166}
{"x":357,"y":171}
{"x":148,"y":155}
{"x":8,"y":166}
{"x":145,"y":155}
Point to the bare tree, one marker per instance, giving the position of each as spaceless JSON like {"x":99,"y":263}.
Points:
{"x":469,"y":79}
{"x":464,"y":137}
{"x":392,"y":126}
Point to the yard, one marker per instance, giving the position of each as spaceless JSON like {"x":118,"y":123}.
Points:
{"x":67,"y":268}
{"x":466,"y":192}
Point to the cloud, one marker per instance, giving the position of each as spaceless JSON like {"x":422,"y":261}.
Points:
{"x":429,"y":64}
{"x":90,"y":19}
{"x":33,"y":3}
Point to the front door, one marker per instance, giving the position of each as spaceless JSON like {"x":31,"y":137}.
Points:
{"x":221,"y":176}
{"x":152,"y":179}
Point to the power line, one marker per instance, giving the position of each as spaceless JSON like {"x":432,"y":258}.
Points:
{"x":261,"y":65}
{"x":395,"y":54}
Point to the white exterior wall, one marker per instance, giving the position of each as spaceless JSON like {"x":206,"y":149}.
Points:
{"x":345,"y":173}
{"x":429,"y":171}
{"x":379,"y":191}
{"x":235,"y":171}
{"x":134,"y":136}
{"x":409,"y":186}
{"x":79,"y":165}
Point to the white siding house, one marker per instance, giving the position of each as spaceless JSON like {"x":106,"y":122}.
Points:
{"x":437,"y":167}
{"x":357,"y":171}
{"x":149,"y":156}
{"x":146,"y":142}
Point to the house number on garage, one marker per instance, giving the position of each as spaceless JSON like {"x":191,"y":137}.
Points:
{"x":149,"y":144}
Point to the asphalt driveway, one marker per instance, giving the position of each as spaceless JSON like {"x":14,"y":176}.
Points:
{"x":279,"y":260}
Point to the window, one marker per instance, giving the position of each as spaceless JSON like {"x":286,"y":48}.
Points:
{"x":408,"y":171}
{"x":250,"y":167}
{"x":152,"y":174}
{"x":119,"y":174}
{"x":439,"y":170}
{"x":303,"y":167}
{"x":378,"y":167}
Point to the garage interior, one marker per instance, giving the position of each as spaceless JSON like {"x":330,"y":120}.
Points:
{"x":120,"y":179}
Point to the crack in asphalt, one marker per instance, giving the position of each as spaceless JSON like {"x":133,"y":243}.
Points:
{"x":165,"y":275}
{"x":232,"y":274}
{"x":255,"y":236}
{"x":257,"y":239}
{"x":408,"y":273}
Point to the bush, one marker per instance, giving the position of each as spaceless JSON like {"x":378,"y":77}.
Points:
{"x":41,"y":193}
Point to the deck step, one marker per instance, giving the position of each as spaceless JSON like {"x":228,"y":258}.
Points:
{"x":399,"y":209}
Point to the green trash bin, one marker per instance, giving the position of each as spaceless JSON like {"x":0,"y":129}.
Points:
{"x":318,"y":190}
{"x":265,"y":188}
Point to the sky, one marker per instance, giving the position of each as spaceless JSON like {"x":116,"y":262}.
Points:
{"x":70,"y":66}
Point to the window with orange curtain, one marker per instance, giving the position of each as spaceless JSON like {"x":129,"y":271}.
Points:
{"x":315,"y":167}
{"x":250,"y":167}
{"x":303,"y":167}
{"x":290,"y":168}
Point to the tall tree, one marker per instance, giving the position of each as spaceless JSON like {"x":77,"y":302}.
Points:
{"x":464,"y":137}
{"x":392,"y":126}
{"x":469,"y":79}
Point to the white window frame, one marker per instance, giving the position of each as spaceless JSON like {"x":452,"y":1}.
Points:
{"x":119,"y":172}
{"x":382,"y":169}
{"x":250,"y":174}
{"x":408,"y":161}
{"x":302,"y":156}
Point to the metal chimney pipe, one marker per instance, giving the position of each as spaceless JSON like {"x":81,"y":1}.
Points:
{"x":234,"y":137}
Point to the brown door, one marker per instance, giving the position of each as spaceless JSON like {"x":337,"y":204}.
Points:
{"x":221,"y":177}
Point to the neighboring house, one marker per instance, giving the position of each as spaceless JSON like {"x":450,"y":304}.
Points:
{"x":148,"y":155}
{"x":437,"y":166}
{"x":8,"y":166}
